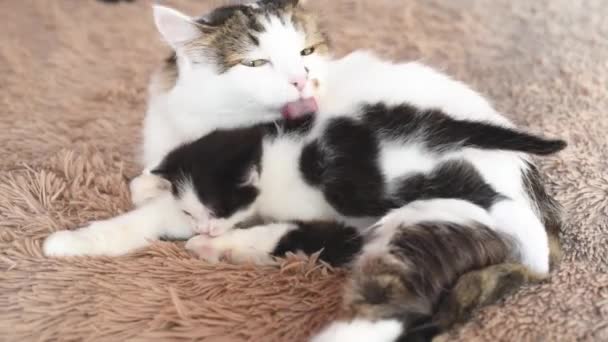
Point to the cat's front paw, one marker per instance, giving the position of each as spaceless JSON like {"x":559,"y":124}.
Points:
{"x":215,"y":227}
{"x":146,"y":187}
{"x":67,"y":243}
{"x":204,"y":247}
{"x":110,"y":238}
{"x":226,"y":248}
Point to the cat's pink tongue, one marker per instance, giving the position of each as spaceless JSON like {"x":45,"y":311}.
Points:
{"x":299,"y":108}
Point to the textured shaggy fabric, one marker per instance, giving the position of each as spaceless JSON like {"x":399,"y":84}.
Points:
{"x":72,"y":97}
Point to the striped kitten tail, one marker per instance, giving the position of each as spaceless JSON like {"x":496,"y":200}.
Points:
{"x":417,"y":253}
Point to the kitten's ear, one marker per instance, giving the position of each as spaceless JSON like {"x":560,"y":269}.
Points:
{"x":176,"y":27}
{"x":160,"y":172}
{"x":251,"y":178}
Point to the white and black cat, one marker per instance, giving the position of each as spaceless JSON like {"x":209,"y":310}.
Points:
{"x":245,"y":64}
{"x":310,"y":169}
{"x":432,"y":227}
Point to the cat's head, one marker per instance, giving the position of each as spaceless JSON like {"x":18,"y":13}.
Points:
{"x":215,"y":178}
{"x":263,"y":56}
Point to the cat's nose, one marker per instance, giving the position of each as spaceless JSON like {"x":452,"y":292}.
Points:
{"x":299,"y":82}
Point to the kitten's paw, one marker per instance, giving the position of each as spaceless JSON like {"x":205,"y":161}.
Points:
{"x":146,"y":187}
{"x":228,"y":247}
{"x":360,"y":330}
{"x":109,"y":238}
{"x":66,"y":243}
{"x":214,"y":227}
{"x":207,"y":249}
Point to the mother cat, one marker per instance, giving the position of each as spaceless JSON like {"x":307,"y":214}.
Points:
{"x":249,"y":63}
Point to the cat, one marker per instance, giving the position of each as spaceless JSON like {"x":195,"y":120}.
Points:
{"x":201,"y":88}
{"x":230,"y":178}
{"x":235,"y":66}
{"x":346,"y":171}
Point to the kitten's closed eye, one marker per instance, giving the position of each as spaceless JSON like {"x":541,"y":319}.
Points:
{"x":254,"y":63}
{"x":187,"y":214}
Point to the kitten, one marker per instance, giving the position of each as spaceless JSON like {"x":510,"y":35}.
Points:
{"x":404,"y":262}
{"x":232,"y":176}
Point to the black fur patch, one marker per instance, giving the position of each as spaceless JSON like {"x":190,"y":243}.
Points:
{"x":441,"y":132}
{"x":294,"y":127}
{"x":311,"y":164}
{"x":344,"y":165}
{"x":217,"y":165}
{"x":451,"y":179}
{"x":338,"y":242}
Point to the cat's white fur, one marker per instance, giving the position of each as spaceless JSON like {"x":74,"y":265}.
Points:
{"x":203,"y":100}
{"x":360,"y":330}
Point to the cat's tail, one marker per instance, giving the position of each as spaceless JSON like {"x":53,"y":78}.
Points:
{"x":416,"y":253}
{"x":489,"y":136}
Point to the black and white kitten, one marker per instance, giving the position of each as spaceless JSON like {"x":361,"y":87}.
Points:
{"x":339,"y":169}
{"x":321,"y":193}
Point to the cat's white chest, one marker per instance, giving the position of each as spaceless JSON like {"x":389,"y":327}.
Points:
{"x":284,"y":194}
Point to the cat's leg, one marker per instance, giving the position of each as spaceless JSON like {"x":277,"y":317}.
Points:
{"x":146,"y":187}
{"x":485,"y":286}
{"x":416,"y":253}
{"x":473,"y":290}
{"x":519,"y":221}
{"x":253,"y":245}
{"x":338,"y":243}
{"x":122,"y":234}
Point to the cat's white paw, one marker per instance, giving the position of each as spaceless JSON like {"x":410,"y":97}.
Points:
{"x":360,"y":330}
{"x":110,"y":237}
{"x":227,"y":247}
{"x":215,"y":227}
{"x":207,"y":248}
{"x":146,"y":187}
{"x":66,"y":243}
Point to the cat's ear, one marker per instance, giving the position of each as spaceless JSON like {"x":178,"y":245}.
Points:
{"x":251,"y":177}
{"x":176,"y":27}
{"x":160,"y":172}
{"x":295,"y":3}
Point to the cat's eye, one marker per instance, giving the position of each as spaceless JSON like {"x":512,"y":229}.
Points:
{"x":187,"y":214}
{"x":307,"y":51}
{"x":254,"y":63}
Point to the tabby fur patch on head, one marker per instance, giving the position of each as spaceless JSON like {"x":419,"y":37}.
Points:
{"x":229,"y":33}
{"x":241,"y":63}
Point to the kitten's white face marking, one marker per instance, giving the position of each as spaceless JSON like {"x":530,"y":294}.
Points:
{"x":198,"y":215}
{"x":202,"y":218}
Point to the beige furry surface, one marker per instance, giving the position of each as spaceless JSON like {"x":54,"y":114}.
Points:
{"x":73,"y":75}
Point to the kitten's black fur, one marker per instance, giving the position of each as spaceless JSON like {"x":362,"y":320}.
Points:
{"x":343,"y":161}
{"x":338,"y":243}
